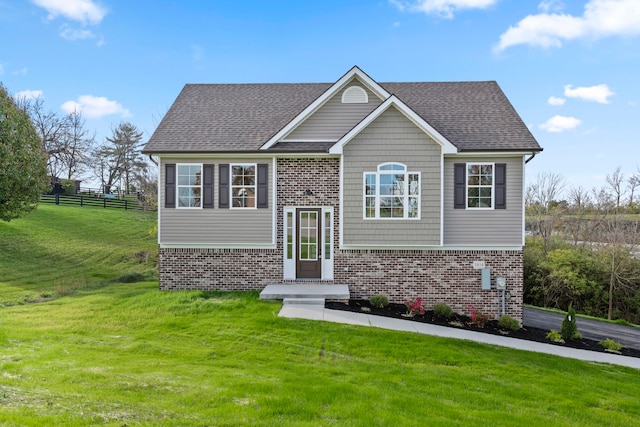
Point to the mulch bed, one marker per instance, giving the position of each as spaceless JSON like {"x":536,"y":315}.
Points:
{"x":491,"y":327}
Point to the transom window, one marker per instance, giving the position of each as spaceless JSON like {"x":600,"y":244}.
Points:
{"x":392,"y":193}
{"x":243,"y":186}
{"x":189,"y":185}
{"x":480,"y":185}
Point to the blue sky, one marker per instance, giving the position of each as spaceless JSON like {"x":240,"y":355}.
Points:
{"x":570,"y":67}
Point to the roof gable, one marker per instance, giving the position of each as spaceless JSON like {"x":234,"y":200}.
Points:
{"x":342,"y":83}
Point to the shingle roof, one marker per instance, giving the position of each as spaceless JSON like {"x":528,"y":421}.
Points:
{"x":242,"y":117}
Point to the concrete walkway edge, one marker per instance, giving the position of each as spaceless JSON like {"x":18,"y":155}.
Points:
{"x":319,"y":312}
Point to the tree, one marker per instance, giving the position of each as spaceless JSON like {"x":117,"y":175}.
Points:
{"x":120,"y":157}
{"x":52,"y":131}
{"x":76,"y":146}
{"x":541,"y":203}
{"x":23,"y":176}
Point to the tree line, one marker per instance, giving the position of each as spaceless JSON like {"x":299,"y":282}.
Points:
{"x":73,"y":153}
{"x":584,"y":245}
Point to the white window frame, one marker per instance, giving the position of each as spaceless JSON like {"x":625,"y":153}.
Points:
{"x":405,"y":193}
{"x":479,"y":186}
{"x":178,"y":186}
{"x":255,"y":185}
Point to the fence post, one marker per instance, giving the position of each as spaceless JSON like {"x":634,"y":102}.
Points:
{"x":104,"y":202}
{"x":125,"y":205}
{"x":81,"y":201}
{"x":57,"y":199}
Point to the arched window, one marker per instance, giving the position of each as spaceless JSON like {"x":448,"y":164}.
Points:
{"x":392,"y":192}
{"x":355,"y":95}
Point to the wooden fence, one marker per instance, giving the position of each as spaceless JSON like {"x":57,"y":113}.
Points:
{"x":89,"y":200}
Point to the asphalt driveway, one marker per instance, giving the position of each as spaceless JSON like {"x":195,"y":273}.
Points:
{"x":628,"y":336}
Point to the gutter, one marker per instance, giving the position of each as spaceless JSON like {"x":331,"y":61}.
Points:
{"x":533,"y":154}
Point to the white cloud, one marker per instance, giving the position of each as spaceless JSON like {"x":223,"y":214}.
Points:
{"x":84,"y":11}
{"x":95,"y":107}
{"x":21,"y":72}
{"x":599,"y":93}
{"x":28,"y":94}
{"x":444,"y":8}
{"x":601,"y":18}
{"x":551,"y":5}
{"x":556,"y":101}
{"x":73,"y":34}
{"x":560,"y":124}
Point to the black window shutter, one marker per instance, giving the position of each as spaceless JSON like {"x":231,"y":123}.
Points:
{"x":263,"y":186}
{"x":459,"y":185}
{"x":223,"y":186}
{"x":170,"y":185}
{"x":501,"y":186}
{"x":207,"y":186}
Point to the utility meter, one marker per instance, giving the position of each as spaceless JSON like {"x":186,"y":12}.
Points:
{"x":501,"y":283}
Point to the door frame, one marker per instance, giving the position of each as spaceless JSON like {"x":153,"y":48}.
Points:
{"x":290,"y":244}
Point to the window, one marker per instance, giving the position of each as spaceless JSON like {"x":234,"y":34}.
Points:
{"x":243,"y":186}
{"x":189,"y":185}
{"x":480,"y":185}
{"x":392,"y":193}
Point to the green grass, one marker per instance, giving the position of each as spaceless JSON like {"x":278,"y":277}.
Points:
{"x":126,"y":354}
{"x":58,"y":249}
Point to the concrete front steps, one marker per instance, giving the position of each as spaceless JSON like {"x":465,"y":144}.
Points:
{"x":314,"y":294}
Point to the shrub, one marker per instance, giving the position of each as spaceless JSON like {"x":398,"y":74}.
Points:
{"x":68,"y":186}
{"x":611,"y":345}
{"x":508,"y":323}
{"x":569,"y":327}
{"x":442,"y":311}
{"x":478,"y":318}
{"x":577,"y":336}
{"x":414,"y":307}
{"x":378,"y":301}
{"x":555,"y":336}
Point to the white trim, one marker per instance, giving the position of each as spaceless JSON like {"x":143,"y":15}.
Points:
{"x":255,"y":186}
{"x":479,"y":186}
{"x":341,"y":198}
{"x":327,"y":264}
{"x":447,"y":146}
{"x":524,"y":212}
{"x":192,"y":186}
{"x":289,"y":265}
{"x":161,"y":190}
{"x":320,"y":101}
{"x":441,"y":199}
{"x":308,"y":140}
{"x":217,"y":246}
{"x":433,"y":247}
{"x":491,"y":154}
{"x":274,"y":201}
{"x":405,"y":196}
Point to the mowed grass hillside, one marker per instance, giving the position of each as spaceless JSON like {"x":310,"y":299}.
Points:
{"x":125,"y":354}
{"x":57,"y":250}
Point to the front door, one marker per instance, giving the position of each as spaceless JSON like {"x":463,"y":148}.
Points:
{"x":309,"y":245}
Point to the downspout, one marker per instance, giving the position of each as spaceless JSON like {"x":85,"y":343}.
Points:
{"x":156,"y":163}
{"x":533,"y":154}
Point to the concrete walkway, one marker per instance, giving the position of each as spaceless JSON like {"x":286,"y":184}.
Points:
{"x":318,"y":312}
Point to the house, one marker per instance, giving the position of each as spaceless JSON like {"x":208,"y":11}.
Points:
{"x":405,"y":189}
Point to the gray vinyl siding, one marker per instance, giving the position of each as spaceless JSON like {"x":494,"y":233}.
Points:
{"x":215,"y":226}
{"x":391,"y":138}
{"x":334,"y":119}
{"x":492,"y":227}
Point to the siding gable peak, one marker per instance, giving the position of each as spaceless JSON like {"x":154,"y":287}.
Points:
{"x":355,"y":76}
{"x":392,"y":100}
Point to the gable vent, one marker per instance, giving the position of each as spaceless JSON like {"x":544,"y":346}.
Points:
{"x":355,"y":95}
